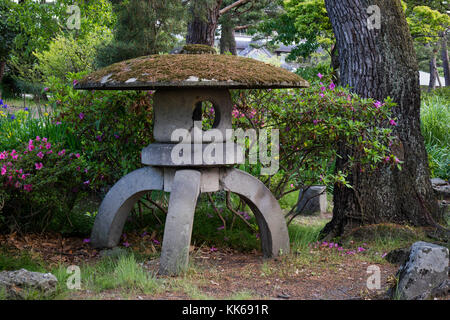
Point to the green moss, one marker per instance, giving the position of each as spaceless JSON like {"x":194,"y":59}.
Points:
{"x":177,"y":70}
{"x":198,"y":49}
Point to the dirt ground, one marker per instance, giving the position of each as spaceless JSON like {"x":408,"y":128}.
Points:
{"x":226,"y":273}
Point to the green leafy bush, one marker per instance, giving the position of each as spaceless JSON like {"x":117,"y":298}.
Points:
{"x":111,"y":127}
{"x":69,"y":54}
{"x":38,"y":181}
{"x":313,"y":123}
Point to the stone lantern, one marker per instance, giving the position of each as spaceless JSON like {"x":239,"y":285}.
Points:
{"x":182,"y":82}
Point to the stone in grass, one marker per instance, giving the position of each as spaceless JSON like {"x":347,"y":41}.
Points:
{"x":317,"y":196}
{"x":398,"y":256}
{"x":114,"y":253}
{"x":23,"y":284}
{"x":425,"y":270}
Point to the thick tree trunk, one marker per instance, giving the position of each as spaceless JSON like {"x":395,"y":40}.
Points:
{"x":445,"y":60}
{"x":433,"y":72}
{"x":227,"y":39}
{"x":203,"y":24}
{"x":378,"y":63}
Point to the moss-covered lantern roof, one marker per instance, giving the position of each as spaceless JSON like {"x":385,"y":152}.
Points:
{"x":204,"y":70}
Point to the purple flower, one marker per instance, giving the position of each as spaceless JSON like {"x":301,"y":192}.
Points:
{"x":221,"y":228}
{"x":75,"y":82}
{"x":361,"y":249}
{"x":320,"y":75}
{"x":377,"y":104}
{"x":332,"y":86}
{"x":392,"y":122}
{"x":81,"y":115}
{"x":156,"y":242}
{"x":86,"y":183}
{"x":87,"y":240}
{"x":213,"y":249}
{"x":126,"y":244}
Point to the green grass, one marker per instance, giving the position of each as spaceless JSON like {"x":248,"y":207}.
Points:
{"x":10,"y":261}
{"x":435,"y":126}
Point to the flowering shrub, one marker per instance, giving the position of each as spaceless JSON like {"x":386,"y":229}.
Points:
{"x":111,"y":127}
{"x":313,"y":123}
{"x":38,"y":181}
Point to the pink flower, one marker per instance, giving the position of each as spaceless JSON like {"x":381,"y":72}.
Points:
{"x":332,"y":86}
{"x":62,"y":152}
{"x":39,"y":166}
{"x":17,"y":185}
{"x":392,"y":122}
{"x":48,"y":146}
{"x":377,"y":104}
{"x":44,"y":140}
{"x":3,"y":171}
{"x":77,"y":155}
{"x":40,"y":155}
{"x":213,"y":249}
{"x":38,"y":138}
{"x":30,"y":147}
{"x":221,"y":228}
{"x":320,"y":75}
{"x":28,"y":187}
{"x":361,"y":249}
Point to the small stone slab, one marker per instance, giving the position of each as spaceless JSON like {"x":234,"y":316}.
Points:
{"x":313,"y":200}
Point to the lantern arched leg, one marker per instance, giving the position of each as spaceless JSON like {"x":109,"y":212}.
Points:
{"x":118,"y":203}
{"x":272,"y":225}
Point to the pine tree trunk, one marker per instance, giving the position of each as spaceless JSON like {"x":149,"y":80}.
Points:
{"x":378,"y":63}
{"x":433,"y":72}
{"x":445,"y":61}
{"x":227,"y":39}
{"x":203,"y":24}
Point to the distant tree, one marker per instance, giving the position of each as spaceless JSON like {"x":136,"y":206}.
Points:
{"x":431,"y":28}
{"x":204,"y":18}
{"x":246,"y":17}
{"x":143,"y":27}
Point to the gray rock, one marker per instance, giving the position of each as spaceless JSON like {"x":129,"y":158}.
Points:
{"x":313,"y":200}
{"x":21,"y":283}
{"x":425,"y":270}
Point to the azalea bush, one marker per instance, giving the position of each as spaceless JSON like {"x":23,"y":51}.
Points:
{"x":38,"y":181}
{"x":111,"y":127}
{"x":313,"y":124}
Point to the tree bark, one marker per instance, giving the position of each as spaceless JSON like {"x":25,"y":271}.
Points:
{"x":433,"y":72}
{"x":201,"y":28}
{"x":378,"y":63}
{"x":445,"y":60}
{"x":227,"y":39}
